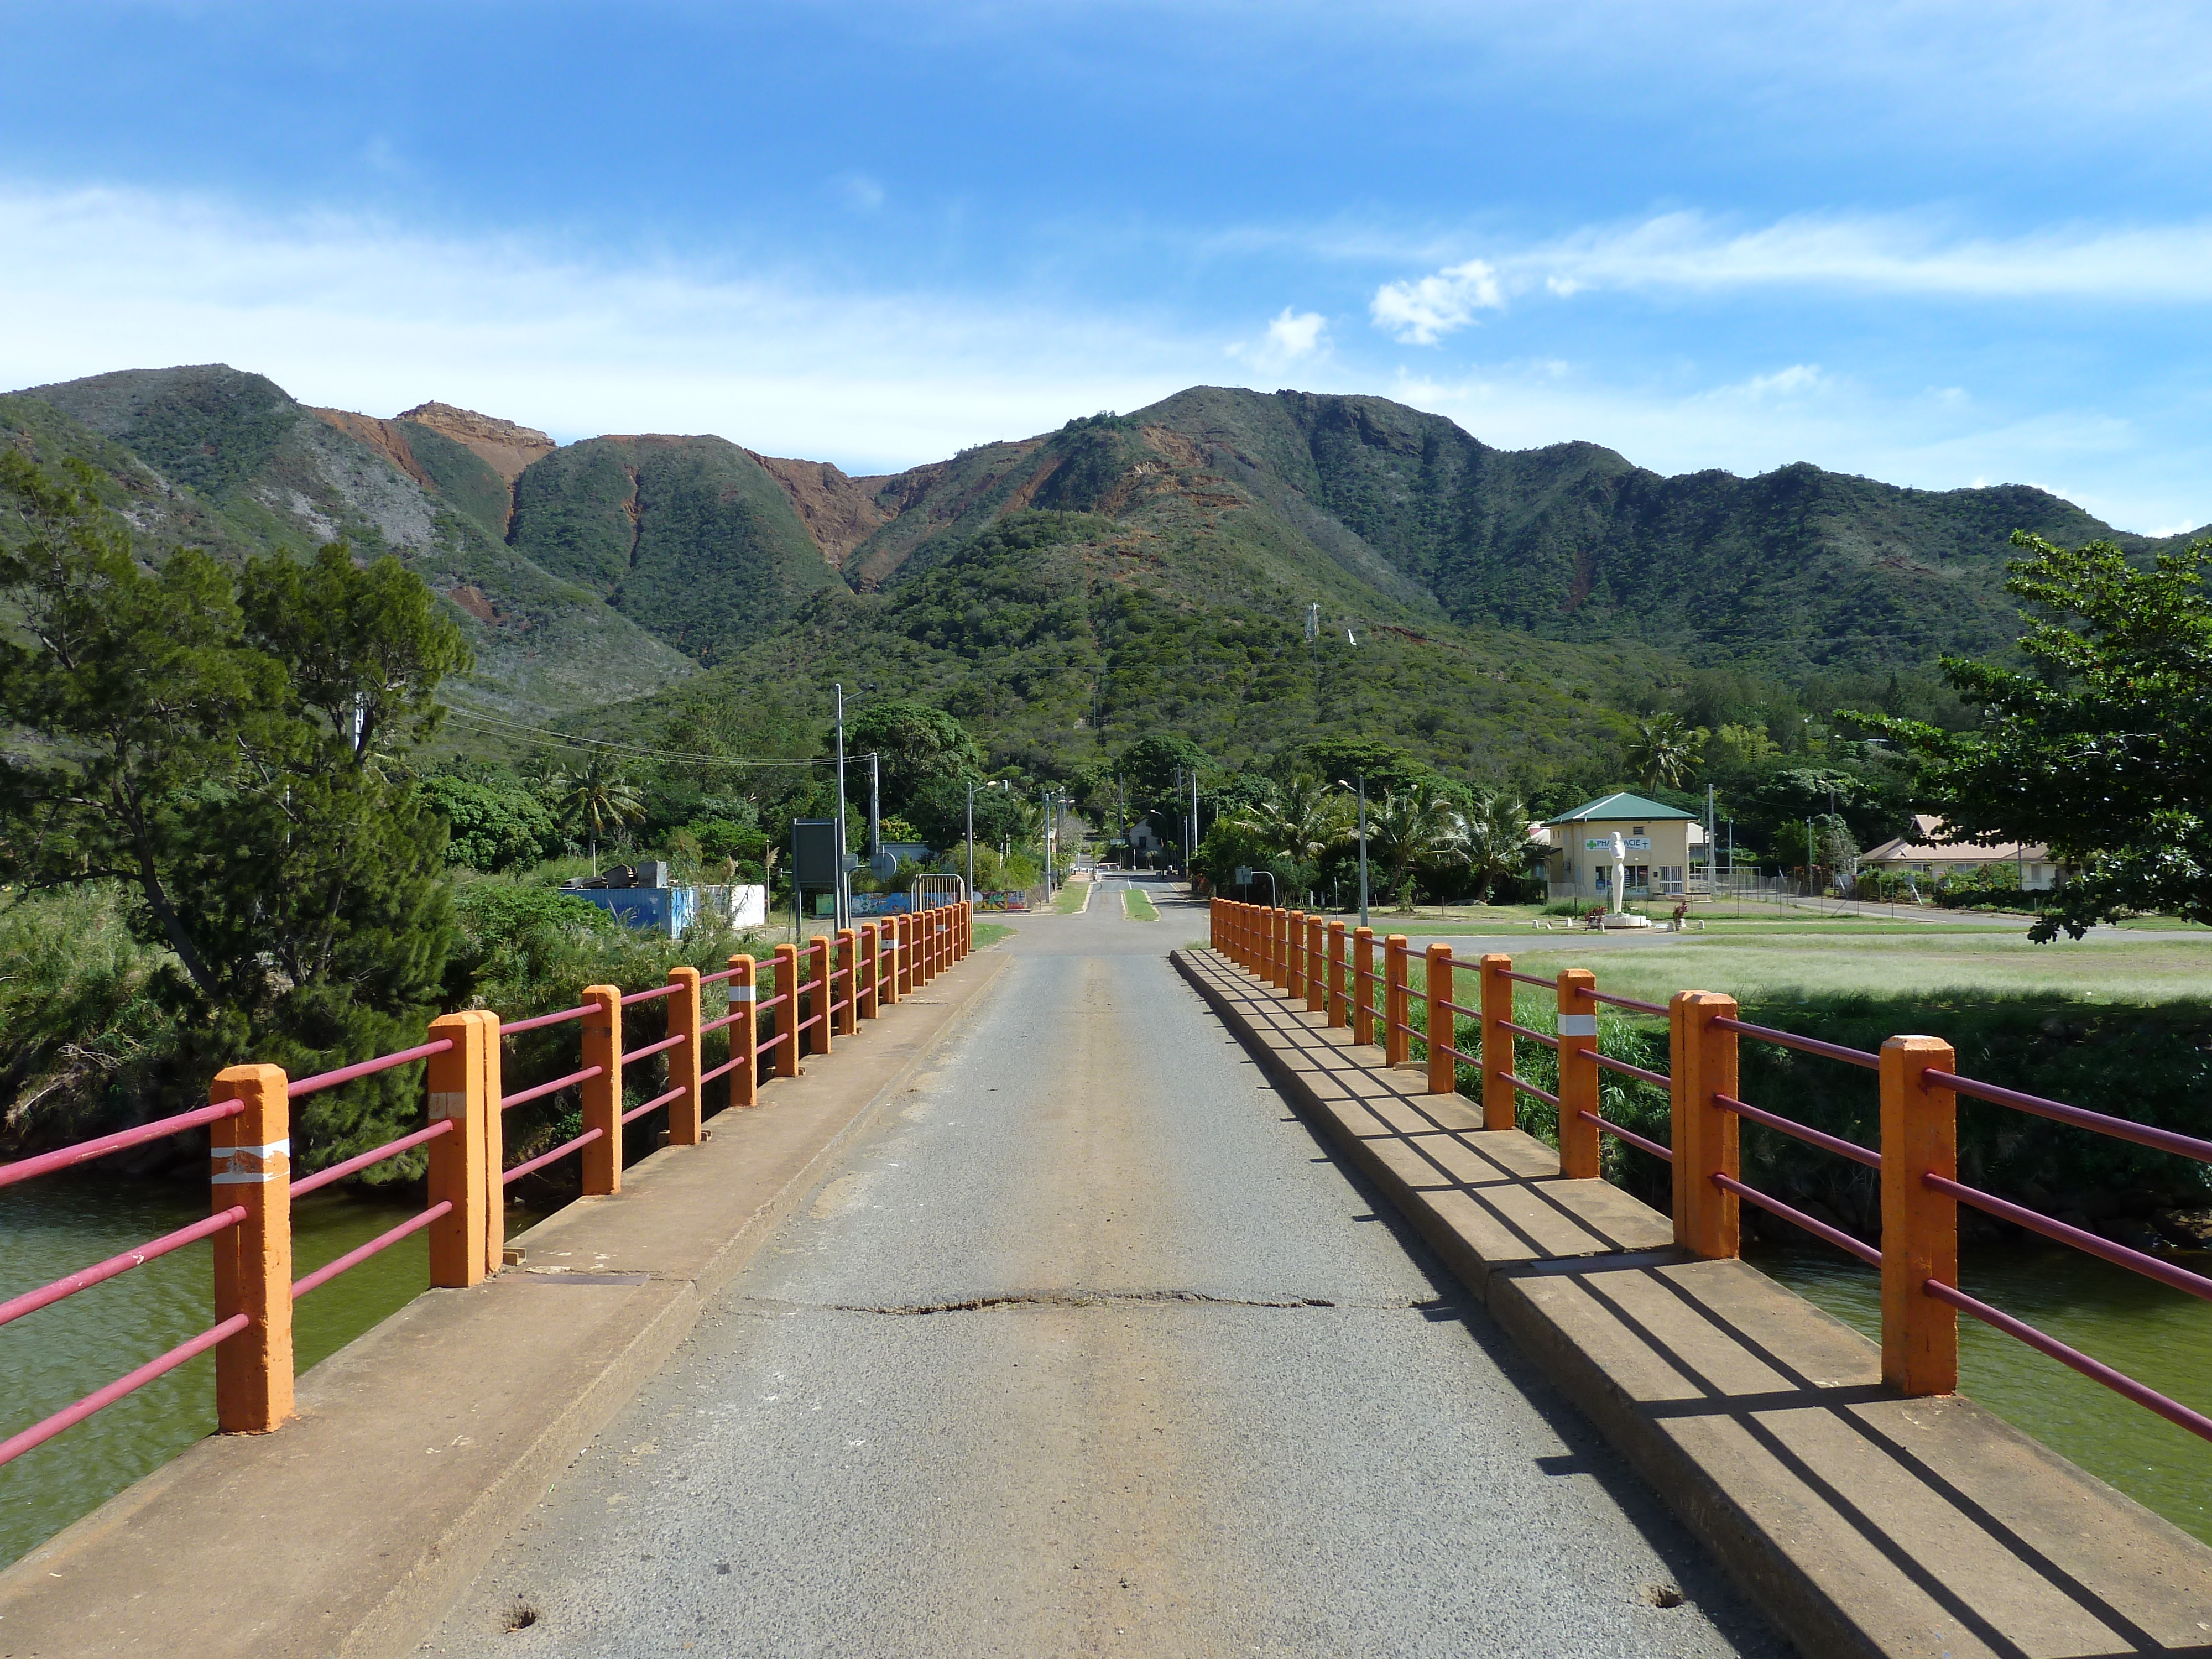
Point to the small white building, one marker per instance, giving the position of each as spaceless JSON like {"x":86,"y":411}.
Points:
{"x":1666,"y":847}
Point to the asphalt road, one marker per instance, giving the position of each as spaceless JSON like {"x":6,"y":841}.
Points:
{"x":1088,"y":1347}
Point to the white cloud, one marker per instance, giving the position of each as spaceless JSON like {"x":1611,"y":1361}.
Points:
{"x":1798,"y":377}
{"x":1423,"y":312}
{"x":1293,"y":337}
{"x":359,"y":314}
{"x":862,"y":193}
{"x":1674,"y":426}
{"x":1890,"y":254}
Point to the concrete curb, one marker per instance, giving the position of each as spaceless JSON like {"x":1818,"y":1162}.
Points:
{"x":1862,"y":1523}
{"x":337,"y":1535}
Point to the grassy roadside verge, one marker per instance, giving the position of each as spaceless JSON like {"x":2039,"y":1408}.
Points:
{"x":989,"y":934}
{"x":1140,"y":908}
{"x":1070,"y":898}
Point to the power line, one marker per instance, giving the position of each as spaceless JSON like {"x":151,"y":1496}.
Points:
{"x":493,"y":726}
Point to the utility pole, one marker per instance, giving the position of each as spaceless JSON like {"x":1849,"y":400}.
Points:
{"x":971,"y":839}
{"x":1190,"y":873}
{"x":1363,"y":844}
{"x":842,"y":919}
{"x":1047,"y":844}
{"x":875,"y":807}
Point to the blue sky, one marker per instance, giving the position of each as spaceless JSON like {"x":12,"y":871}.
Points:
{"x":1941,"y":245}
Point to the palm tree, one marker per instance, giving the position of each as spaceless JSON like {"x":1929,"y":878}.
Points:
{"x":598,"y":796}
{"x":1412,"y":825}
{"x":1301,"y":819}
{"x":1663,"y":748}
{"x":1498,"y":842}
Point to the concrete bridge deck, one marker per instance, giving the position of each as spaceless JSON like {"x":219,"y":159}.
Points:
{"x":1088,"y":1346}
{"x":1036,"y":1321}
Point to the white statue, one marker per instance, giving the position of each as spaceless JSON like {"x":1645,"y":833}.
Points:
{"x":1620,"y":873}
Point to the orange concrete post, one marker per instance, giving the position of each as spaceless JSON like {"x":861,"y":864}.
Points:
{"x":1498,"y":1106}
{"x":744,"y":1032}
{"x":818,"y":995}
{"x":1214,"y":923}
{"x":902,"y":947}
{"x":869,"y":976}
{"x":787,"y":1011}
{"x":1919,"y":1226}
{"x":1316,"y":966}
{"x":1363,"y":986}
{"x":494,"y":1144}
{"x":1706,"y":1218}
{"x":849,"y":970}
{"x":1397,"y":1004}
{"x":1294,"y":947}
{"x":1581,"y":1157}
{"x":603,"y":1095}
{"x":1443,"y":1023}
{"x":1249,"y":937}
{"x":1275,"y":972}
{"x":686,"y":1111}
{"x":1340,"y":1010}
{"x":249,"y":1168}
{"x":457,"y":1172}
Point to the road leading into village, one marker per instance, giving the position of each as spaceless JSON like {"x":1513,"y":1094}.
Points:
{"x":1087,"y":1346}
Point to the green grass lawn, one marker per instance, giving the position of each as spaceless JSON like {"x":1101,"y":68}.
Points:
{"x":990,"y":932}
{"x":1816,"y":963}
{"x":1069,"y":899}
{"x":1140,"y":908}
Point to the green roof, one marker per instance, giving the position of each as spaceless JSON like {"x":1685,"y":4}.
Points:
{"x":1621,"y":805}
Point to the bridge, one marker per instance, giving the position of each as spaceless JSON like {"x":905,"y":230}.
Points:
{"x":1105,"y":1290}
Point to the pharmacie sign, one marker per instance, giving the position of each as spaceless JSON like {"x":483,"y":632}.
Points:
{"x":1604,"y":843}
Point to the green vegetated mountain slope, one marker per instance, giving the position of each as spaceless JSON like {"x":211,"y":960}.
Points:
{"x":1154,"y":570}
{"x":1793,"y":570}
{"x":1055,"y":634}
{"x":689,"y":538}
{"x":210,"y":457}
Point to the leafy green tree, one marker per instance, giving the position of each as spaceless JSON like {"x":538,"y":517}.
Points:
{"x":1497,"y":840}
{"x":1661,"y":749}
{"x":1415,"y":825}
{"x":2099,"y":751}
{"x":227,"y":763}
{"x":490,"y":828}
{"x":940,"y":814}
{"x":1300,"y":820}
{"x":920,"y":746}
{"x":597,"y":797}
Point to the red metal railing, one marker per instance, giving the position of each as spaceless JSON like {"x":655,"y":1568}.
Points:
{"x":1252,"y":932}
{"x":322,"y":1080}
{"x":68,"y":1157}
{"x":945,"y":946}
{"x":85,"y":1278}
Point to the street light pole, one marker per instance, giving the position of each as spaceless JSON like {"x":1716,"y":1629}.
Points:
{"x":875,"y":806}
{"x":843,"y":917}
{"x":971,"y":838}
{"x":1341,"y":784}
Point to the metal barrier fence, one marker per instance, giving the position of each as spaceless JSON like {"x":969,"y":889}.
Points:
{"x":1334,"y":974}
{"x":249,"y":1118}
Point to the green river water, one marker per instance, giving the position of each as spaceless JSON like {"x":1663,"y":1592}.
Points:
{"x":50,"y":1357}
{"x":2158,"y":1336}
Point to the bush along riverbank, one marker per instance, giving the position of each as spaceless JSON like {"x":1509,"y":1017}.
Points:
{"x":2151,"y":1064}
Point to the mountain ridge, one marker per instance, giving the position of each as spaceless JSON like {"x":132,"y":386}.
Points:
{"x":598,"y":572}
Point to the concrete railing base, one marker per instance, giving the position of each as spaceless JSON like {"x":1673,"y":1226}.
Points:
{"x":1862,"y":1522}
